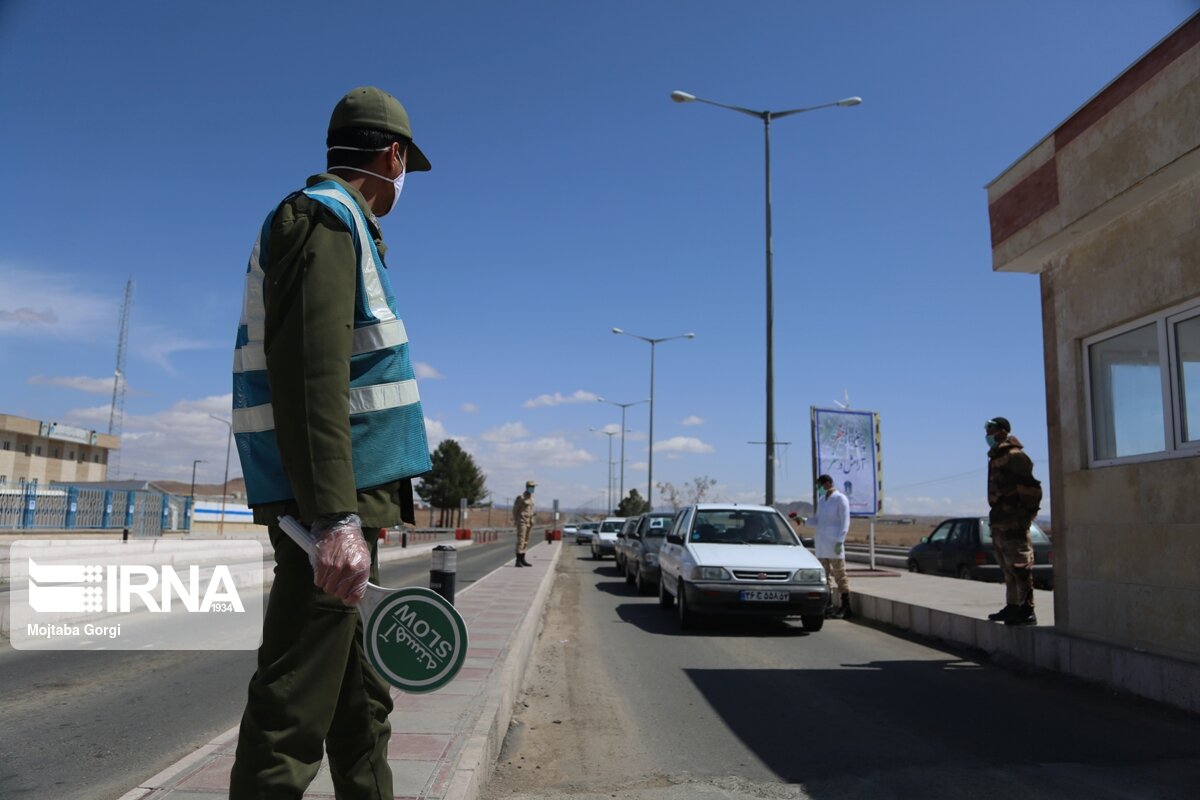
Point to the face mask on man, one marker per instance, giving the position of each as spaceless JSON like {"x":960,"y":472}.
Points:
{"x":821,"y":492}
{"x":397,"y":182}
{"x":991,"y":441}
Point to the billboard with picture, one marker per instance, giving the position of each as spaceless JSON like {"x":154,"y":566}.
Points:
{"x":846,"y":447}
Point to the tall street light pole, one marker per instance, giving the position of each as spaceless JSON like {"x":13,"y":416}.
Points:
{"x":224,"y":486}
{"x":652,"y":343}
{"x":192,"y":494}
{"x":609,"y":434}
{"x":622,"y":406}
{"x":766,"y":117}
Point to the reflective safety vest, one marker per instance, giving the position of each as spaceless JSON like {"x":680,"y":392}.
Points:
{"x":387,"y":425}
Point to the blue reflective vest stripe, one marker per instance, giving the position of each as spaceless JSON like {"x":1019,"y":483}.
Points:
{"x":387,"y":424}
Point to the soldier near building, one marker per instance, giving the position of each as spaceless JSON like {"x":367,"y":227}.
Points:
{"x":523,"y":520}
{"x":330,"y":430}
{"x":1014,"y":496}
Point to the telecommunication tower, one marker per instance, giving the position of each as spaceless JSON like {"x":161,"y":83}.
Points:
{"x":117,"y":413}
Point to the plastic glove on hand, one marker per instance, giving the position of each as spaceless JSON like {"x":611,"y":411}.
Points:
{"x":837,"y":549}
{"x":341,"y":560}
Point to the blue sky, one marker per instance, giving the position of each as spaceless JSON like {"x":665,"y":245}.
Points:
{"x":147,"y":140}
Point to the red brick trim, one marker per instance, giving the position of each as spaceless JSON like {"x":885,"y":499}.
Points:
{"x":1036,"y":194}
{"x":1183,"y":39}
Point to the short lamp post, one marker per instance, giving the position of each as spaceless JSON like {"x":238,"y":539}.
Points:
{"x":766,"y":117}
{"x":650,"y":463}
{"x":225,"y":485}
{"x":192,"y":494}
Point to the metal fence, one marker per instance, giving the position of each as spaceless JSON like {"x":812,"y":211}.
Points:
{"x":73,"y":508}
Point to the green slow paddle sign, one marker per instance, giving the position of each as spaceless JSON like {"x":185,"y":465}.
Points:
{"x":416,"y":640}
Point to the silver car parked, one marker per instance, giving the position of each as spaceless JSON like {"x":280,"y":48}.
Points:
{"x":641,"y":550}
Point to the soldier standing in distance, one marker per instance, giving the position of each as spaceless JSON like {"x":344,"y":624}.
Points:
{"x":523,"y":519}
{"x":1014,"y":496}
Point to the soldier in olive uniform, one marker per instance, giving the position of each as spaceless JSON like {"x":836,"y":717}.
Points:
{"x":523,"y":519}
{"x":330,"y":430}
{"x":1014,"y":496}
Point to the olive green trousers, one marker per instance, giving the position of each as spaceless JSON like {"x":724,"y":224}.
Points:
{"x":314,"y":692}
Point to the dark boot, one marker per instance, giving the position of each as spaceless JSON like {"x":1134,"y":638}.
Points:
{"x":1022,"y":616}
{"x":520,"y":561}
{"x":1003,"y":614}
{"x":524,"y":561}
{"x":846,"y":612}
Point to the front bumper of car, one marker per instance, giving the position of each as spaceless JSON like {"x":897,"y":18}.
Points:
{"x":605,"y":546}
{"x":746,"y":598}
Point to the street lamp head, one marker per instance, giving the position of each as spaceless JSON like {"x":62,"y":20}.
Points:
{"x":689,"y":336}
{"x":850,"y":101}
{"x":617,"y":330}
{"x":682,"y":97}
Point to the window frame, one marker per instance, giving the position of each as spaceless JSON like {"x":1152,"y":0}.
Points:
{"x":1171,"y":386}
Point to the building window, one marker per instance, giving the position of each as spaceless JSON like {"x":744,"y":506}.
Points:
{"x":37,"y":450}
{"x":1143,"y":388}
{"x":57,"y":453}
{"x":6,"y":444}
{"x":26,"y":449}
{"x":96,"y":459}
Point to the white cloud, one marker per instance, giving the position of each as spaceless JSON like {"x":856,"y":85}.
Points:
{"x":558,"y":399}
{"x":691,"y":421}
{"x":469,"y":408}
{"x":682,"y":444}
{"x":507,"y":432}
{"x":435,"y":432}
{"x":80,"y":382}
{"x":426,"y":372}
{"x":546,"y":451}
{"x":31,"y":297}
{"x":158,"y":345}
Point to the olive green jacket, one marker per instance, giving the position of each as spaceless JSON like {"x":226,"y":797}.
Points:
{"x":311,"y":275}
{"x":1013,"y":493}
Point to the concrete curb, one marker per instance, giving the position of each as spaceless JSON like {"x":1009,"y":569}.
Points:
{"x":1154,"y":677}
{"x":482,"y":748}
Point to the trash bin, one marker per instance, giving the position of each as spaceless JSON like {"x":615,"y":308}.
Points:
{"x":443,"y":571}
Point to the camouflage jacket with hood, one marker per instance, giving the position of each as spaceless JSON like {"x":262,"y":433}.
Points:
{"x":1013,"y":493}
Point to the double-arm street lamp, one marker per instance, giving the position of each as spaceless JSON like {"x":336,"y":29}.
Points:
{"x":609,"y":434}
{"x":766,"y":117}
{"x":652,"y":343}
{"x":622,"y":406}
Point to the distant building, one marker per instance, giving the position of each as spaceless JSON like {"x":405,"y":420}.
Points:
{"x":32,"y":450}
{"x":1105,"y":211}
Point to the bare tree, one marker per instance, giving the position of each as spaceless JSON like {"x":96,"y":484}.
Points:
{"x":694,"y":491}
{"x":670,"y":494}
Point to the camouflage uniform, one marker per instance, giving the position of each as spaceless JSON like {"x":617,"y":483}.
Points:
{"x":1014,"y":496}
{"x":523,"y":519}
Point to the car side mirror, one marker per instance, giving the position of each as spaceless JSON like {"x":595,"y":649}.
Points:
{"x":673,"y":538}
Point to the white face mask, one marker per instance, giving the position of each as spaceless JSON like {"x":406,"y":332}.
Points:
{"x":397,"y":182}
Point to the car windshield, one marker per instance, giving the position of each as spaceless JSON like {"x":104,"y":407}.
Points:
{"x":734,"y":526}
{"x":657,"y":526}
{"x":611,"y":526}
{"x":1036,"y":534}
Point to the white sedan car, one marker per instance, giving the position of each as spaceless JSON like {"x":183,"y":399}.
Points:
{"x":739,"y":560}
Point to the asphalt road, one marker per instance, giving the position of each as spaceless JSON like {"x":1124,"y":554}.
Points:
{"x":91,"y":725}
{"x":637,"y":709}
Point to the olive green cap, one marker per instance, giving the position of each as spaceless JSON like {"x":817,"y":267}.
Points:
{"x":369,"y":107}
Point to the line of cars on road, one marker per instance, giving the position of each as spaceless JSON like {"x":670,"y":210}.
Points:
{"x":715,"y":559}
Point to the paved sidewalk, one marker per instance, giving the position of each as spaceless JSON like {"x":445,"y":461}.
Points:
{"x":444,"y":744}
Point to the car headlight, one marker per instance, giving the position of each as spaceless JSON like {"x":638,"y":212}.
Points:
{"x":710,"y":574}
{"x":809,"y":576}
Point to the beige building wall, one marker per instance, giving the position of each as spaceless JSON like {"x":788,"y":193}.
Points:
{"x":26,"y":455}
{"x":1107,"y":211}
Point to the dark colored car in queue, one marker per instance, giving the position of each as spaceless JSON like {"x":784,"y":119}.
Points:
{"x":962,"y":547}
{"x":641,"y":548}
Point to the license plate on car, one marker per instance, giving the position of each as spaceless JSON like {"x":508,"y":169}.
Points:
{"x":764,"y":596}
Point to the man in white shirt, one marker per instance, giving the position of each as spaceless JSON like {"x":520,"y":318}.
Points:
{"x":833,"y":523}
